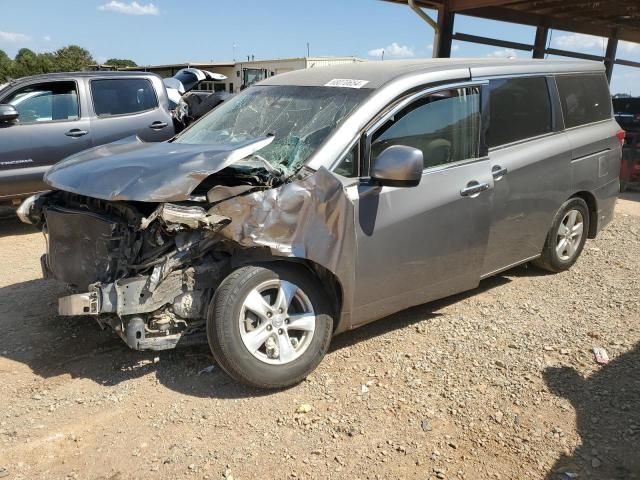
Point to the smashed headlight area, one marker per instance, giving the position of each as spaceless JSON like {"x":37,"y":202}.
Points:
{"x":145,"y":272}
{"x":149,"y":270}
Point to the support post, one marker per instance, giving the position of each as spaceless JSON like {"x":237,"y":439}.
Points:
{"x":540,"y":45}
{"x":610,"y":55}
{"x":442,"y":42}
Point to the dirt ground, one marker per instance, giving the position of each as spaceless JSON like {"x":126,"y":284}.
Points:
{"x":496,"y":383}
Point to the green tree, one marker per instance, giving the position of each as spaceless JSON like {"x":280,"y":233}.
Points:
{"x":121,"y":62}
{"x":46,"y":62}
{"x":25,"y":63}
{"x":6,"y":67}
{"x":72,"y":59}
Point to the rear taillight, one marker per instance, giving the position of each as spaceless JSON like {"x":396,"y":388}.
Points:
{"x":620,"y":135}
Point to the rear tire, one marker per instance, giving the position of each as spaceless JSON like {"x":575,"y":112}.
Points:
{"x":566,"y":237}
{"x":269,"y":326}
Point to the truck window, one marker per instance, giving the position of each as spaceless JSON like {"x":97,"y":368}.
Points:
{"x":45,"y":102}
{"x":519,"y":108}
{"x":444,"y":125}
{"x":585,"y":99}
{"x":122,"y":96}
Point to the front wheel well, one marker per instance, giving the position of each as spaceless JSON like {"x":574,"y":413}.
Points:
{"x":592,"y":203}
{"x":329,"y":281}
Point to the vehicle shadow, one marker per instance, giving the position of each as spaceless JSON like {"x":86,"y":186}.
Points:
{"x":10,"y":224}
{"x":75,"y":346}
{"x":607,"y":416}
{"x":411,"y":316}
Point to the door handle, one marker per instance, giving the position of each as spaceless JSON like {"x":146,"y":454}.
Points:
{"x":498,"y":172}
{"x":76,"y":132}
{"x":158,"y":125}
{"x":473,"y":189}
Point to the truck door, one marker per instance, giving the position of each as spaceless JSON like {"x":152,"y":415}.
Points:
{"x":52,"y":125}
{"x":125,"y":107}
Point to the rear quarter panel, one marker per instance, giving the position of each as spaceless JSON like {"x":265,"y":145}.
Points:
{"x":595,"y":166}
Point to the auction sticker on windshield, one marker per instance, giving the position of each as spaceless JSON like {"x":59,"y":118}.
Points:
{"x":346,"y":82}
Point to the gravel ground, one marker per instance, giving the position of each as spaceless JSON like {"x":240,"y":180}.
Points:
{"x":496,"y":383}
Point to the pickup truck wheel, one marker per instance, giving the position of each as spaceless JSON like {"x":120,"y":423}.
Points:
{"x":566,"y":238}
{"x":623,"y":186}
{"x":269,"y":326}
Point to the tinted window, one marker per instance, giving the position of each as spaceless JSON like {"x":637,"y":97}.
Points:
{"x":44,"y":102}
{"x":445,"y":126}
{"x":122,"y":96}
{"x":585,"y":99}
{"x":519,"y":108}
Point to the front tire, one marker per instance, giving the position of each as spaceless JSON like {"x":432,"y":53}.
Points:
{"x":566,"y":237}
{"x":269,"y":326}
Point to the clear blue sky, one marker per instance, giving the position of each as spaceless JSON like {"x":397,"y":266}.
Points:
{"x":166,"y":31}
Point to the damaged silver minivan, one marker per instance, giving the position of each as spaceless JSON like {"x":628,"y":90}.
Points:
{"x":323,"y":199}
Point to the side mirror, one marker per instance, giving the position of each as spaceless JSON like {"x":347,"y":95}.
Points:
{"x":8,"y":113}
{"x":398,"y":166}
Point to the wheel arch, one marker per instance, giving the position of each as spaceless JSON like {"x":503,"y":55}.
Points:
{"x":592,"y":204}
{"x":328,"y":280}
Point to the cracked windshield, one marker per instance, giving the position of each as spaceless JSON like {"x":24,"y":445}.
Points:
{"x":300,"y":119}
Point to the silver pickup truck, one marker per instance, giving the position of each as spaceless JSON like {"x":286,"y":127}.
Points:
{"x":46,"y":118}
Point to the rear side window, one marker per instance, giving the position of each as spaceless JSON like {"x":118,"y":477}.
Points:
{"x":519,"y":108}
{"x":122,"y":96}
{"x":584,"y":98}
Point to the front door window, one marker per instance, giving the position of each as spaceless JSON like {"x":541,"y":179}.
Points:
{"x":45,"y":102}
{"x":444,"y":125}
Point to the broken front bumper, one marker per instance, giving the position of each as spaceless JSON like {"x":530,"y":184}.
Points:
{"x":122,"y":304}
{"x":79,"y":304}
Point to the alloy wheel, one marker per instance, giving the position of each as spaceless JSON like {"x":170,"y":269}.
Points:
{"x":569,"y":235}
{"x":277,"y":322}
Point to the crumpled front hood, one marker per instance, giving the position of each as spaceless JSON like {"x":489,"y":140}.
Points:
{"x":146,"y":172}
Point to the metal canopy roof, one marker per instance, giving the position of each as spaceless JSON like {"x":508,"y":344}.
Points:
{"x":605,"y":18}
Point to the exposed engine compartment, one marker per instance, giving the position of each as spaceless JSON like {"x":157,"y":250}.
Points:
{"x":149,"y":269}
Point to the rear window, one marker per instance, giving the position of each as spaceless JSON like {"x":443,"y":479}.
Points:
{"x":584,"y":98}
{"x":519,"y":108}
{"x":122,"y":96}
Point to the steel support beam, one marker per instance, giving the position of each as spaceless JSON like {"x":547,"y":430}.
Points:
{"x":540,"y":45}
{"x":567,"y":53}
{"x":445,"y":33}
{"x":627,"y":63}
{"x":436,"y":29}
{"x":610,"y":56}
{"x":463,"y":37}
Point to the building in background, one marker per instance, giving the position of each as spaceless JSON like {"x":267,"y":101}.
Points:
{"x":243,"y":74}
